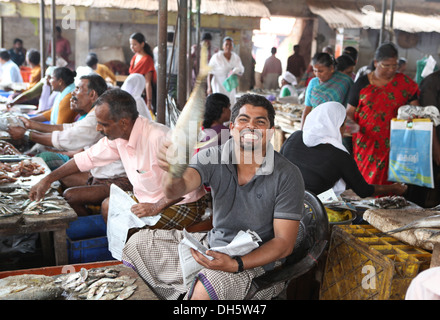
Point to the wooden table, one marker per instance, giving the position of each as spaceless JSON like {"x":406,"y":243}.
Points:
{"x":57,"y":223}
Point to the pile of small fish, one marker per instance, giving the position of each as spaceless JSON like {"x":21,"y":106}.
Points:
{"x":390,"y":202}
{"x":97,"y":284}
{"x":7,"y":149}
{"x":25,"y":168}
{"x":18,"y":201}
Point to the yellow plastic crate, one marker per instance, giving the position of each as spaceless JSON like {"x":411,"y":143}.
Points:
{"x":362,"y":265}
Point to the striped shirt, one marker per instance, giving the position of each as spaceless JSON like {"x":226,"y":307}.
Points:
{"x":334,"y":89}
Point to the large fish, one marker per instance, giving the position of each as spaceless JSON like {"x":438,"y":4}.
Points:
{"x":184,"y":136}
{"x":428,"y":222}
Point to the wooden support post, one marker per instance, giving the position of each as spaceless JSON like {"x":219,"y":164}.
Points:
{"x":162,"y":61}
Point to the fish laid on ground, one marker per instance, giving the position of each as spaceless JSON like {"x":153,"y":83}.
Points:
{"x":97,"y":284}
{"x":184,"y":136}
{"x":29,"y":287}
{"x":428,"y":222}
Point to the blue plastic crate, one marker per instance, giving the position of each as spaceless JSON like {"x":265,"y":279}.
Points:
{"x":88,"y":250}
{"x":87,"y":227}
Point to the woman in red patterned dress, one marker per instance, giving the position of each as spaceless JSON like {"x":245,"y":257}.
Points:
{"x":143,"y":63}
{"x":373,"y":101}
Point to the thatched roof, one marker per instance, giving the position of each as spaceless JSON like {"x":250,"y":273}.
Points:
{"x":237,"y":8}
{"x":343,"y":14}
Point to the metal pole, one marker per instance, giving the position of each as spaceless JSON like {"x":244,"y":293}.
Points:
{"x":182,"y":78}
{"x":42,"y":40}
{"x":54,"y":39}
{"x":391,"y":20}
{"x":382,"y":28}
{"x":197,"y":27}
{"x":162,"y":61}
{"x":190,"y":60}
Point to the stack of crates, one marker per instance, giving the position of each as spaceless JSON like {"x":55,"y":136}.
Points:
{"x":87,"y":240}
{"x":364,"y":264}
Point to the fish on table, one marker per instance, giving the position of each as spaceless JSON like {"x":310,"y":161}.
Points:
{"x":428,"y":222}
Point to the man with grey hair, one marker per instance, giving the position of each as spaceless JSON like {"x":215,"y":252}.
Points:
{"x":87,"y":188}
{"x":133,"y":140}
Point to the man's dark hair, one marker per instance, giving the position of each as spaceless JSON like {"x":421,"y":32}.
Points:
{"x":91,"y":60}
{"x":207,"y":36}
{"x":17,"y":40}
{"x":256,"y":101}
{"x":96,"y":83}
{"x":273,"y":50}
{"x":33,"y":56}
{"x":121,"y":104}
{"x":4,"y":55}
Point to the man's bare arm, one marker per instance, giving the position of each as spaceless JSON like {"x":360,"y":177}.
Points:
{"x":42,"y":127}
{"x":37,"y":191}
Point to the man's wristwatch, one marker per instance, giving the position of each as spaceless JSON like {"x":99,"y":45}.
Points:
{"x":240,"y":264}
{"x":27,"y":135}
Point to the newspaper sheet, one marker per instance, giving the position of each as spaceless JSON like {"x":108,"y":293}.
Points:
{"x":243,"y":243}
{"x":121,"y":219}
{"x":330,"y":200}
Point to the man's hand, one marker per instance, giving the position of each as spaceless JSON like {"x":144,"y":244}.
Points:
{"x":38,"y":191}
{"x":151,"y":209}
{"x":162,"y":155}
{"x":16,"y":132}
{"x":145,"y":209}
{"x":221,"y":261}
{"x":27,"y":123}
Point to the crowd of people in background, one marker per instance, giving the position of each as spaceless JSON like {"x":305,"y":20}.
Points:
{"x":88,"y":123}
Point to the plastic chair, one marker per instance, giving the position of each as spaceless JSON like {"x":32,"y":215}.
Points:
{"x":312,"y":240}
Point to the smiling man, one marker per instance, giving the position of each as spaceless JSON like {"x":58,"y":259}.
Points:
{"x":253,"y":188}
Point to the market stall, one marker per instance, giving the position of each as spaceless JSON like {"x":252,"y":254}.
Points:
{"x":21,"y":216}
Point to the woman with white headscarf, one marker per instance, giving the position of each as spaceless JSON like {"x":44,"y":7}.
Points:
{"x":135,"y":85}
{"x":323,"y":160}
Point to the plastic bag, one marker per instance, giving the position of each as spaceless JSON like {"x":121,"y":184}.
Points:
{"x":23,"y":243}
{"x":411,"y":152}
{"x":231,"y":82}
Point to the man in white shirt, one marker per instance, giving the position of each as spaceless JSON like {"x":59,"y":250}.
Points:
{"x":10,"y":72}
{"x":74,"y":137}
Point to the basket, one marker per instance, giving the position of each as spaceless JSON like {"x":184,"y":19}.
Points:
{"x":362,"y":265}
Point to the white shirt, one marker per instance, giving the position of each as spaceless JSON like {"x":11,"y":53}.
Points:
{"x":10,"y":73}
{"x":426,"y":286}
{"x":221,"y":68}
{"x":83,"y":134}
